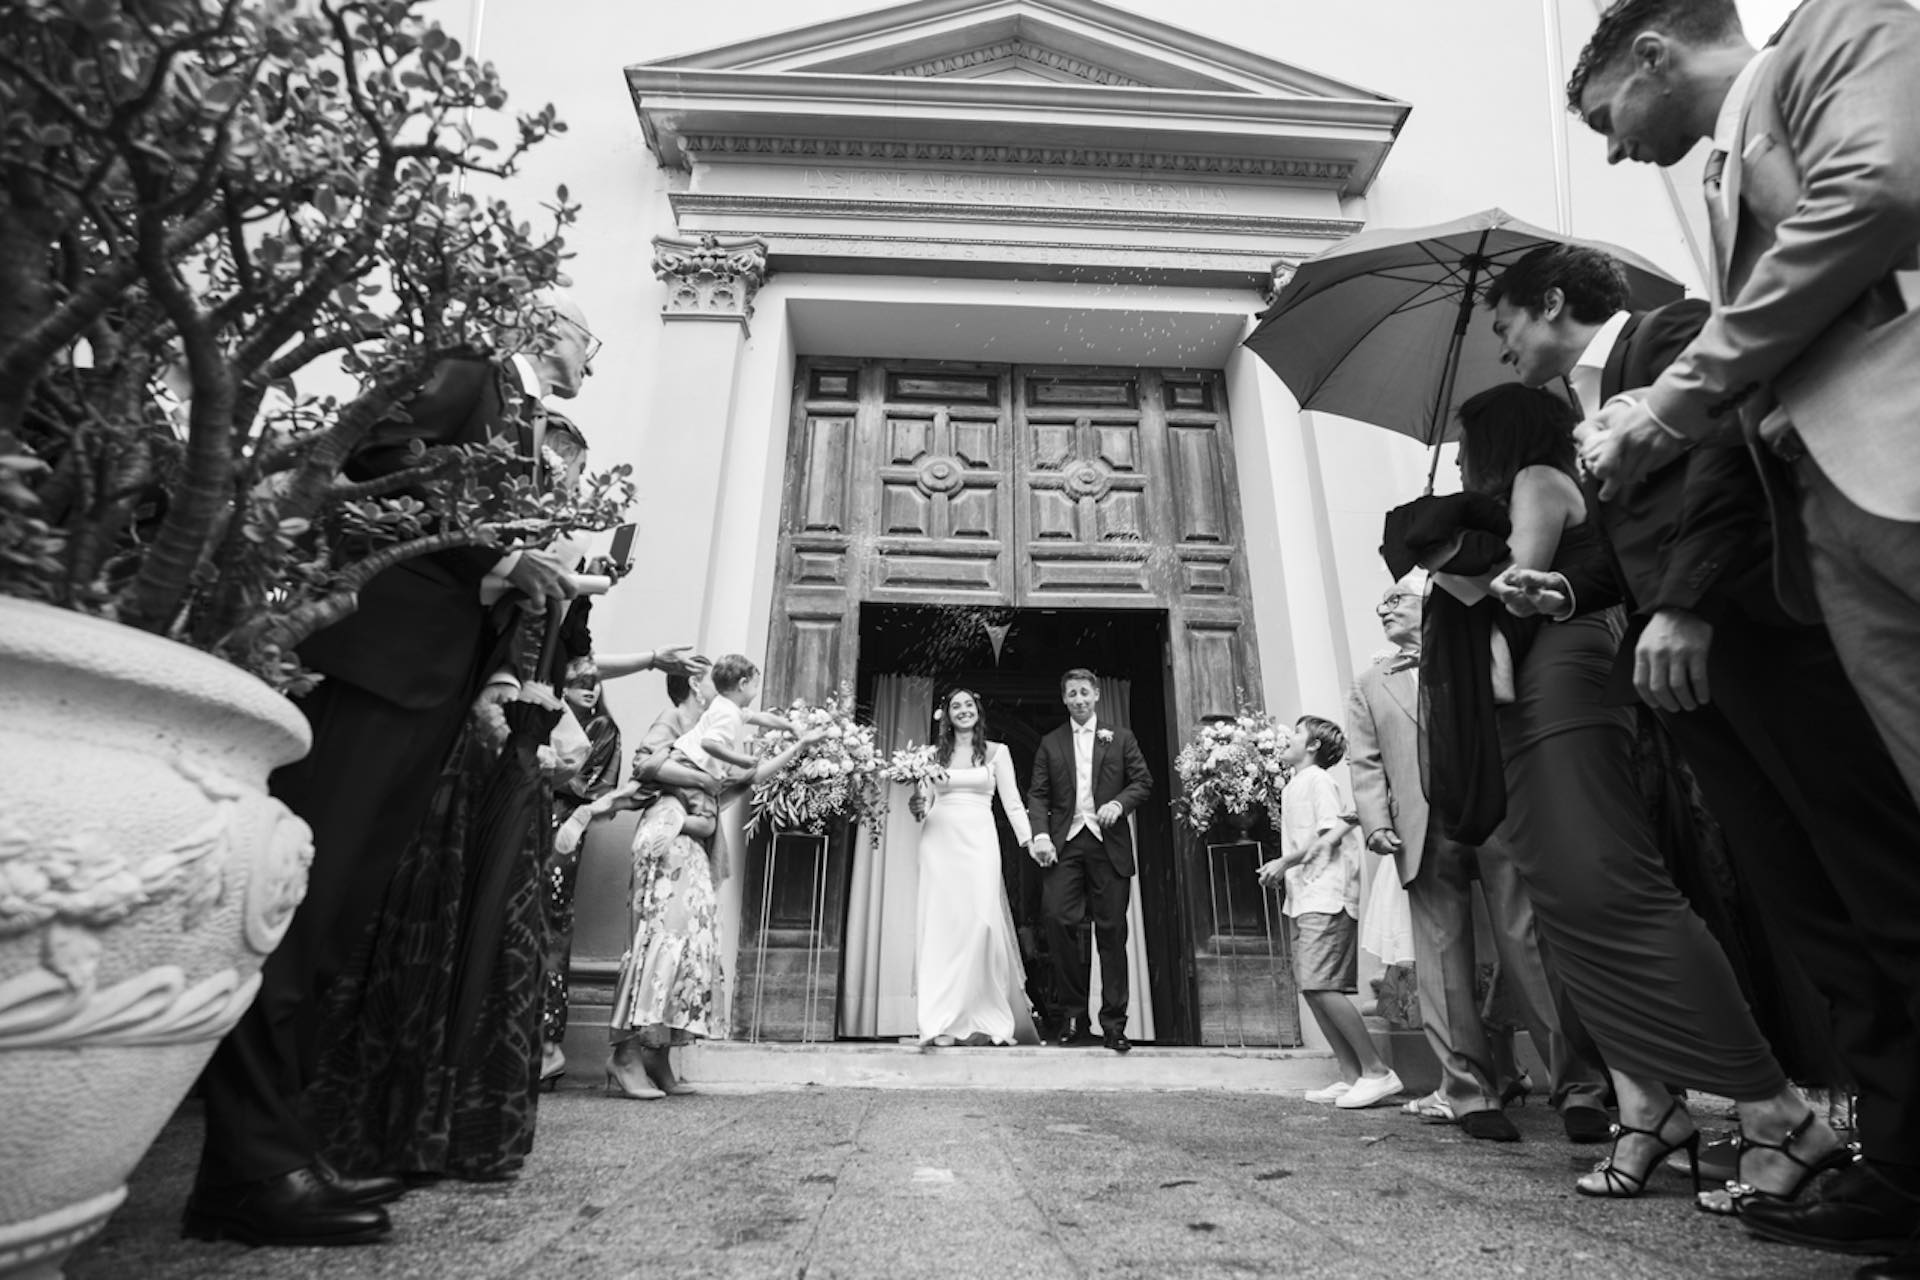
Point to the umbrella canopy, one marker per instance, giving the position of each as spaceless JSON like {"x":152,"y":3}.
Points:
{"x":1380,"y":327}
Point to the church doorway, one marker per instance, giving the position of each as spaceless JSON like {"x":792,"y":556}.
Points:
{"x":1090,"y":509}
{"x":1012,"y":658}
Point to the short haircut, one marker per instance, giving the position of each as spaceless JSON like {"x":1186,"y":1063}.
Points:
{"x":732,"y":670}
{"x":1078,"y":673}
{"x":1508,"y":428}
{"x":1702,"y":22}
{"x":1329,"y":739}
{"x":679,"y":688}
{"x":1594,"y":282}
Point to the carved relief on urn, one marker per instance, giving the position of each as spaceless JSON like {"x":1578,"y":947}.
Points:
{"x":145,"y":875}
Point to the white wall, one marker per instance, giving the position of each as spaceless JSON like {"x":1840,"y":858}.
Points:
{"x":1484,"y":131}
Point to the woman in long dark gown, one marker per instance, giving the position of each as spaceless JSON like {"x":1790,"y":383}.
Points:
{"x":1651,"y":985}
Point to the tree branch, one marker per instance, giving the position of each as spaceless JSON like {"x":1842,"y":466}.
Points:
{"x":67,"y":321}
{"x":202,"y":493}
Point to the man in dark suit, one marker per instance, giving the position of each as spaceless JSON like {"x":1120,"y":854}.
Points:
{"x":1818,"y":822}
{"x":1087,"y":779}
{"x":400,"y":673}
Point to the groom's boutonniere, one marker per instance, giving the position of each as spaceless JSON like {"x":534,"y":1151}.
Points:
{"x":1105,"y":735}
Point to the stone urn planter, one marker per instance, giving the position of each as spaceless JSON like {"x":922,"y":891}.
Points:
{"x":145,"y":874}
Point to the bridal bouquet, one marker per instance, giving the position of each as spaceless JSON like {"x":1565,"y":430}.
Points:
{"x":835,"y":776}
{"x":918,"y":767}
{"x":1231,"y":768}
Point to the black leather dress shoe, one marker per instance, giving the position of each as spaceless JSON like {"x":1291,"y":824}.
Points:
{"x":1117,"y":1042}
{"x":1854,"y":1211}
{"x":360,"y":1191}
{"x":1904,"y":1267}
{"x":297,"y":1208}
{"x":1586,"y":1124}
{"x":1489,"y":1126}
{"x":1073,"y":1031}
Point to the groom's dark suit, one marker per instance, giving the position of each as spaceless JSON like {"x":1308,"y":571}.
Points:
{"x":1090,"y":880}
{"x":1818,"y":821}
{"x":401,"y":672}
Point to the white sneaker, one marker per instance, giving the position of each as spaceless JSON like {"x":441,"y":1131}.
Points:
{"x":1331,"y":1093}
{"x":1369,"y":1091}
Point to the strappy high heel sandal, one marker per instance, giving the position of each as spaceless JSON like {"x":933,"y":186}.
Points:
{"x":1727,"y":1203}
{"x":1617,"y":1183}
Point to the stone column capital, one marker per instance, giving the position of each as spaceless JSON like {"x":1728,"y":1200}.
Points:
{"x":709,"y":278}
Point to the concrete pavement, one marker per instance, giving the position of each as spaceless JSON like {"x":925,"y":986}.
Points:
{"x":812,"y":1183}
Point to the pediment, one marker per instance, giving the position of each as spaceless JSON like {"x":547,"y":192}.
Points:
{"x":1029,"y":41}
{"x":1015,"y":136}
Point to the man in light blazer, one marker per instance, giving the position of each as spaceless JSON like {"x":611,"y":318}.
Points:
{"x":1383,"y":757}
{"x":1813,"y":353}
{"x":1087,"y":778}
{"x":1814,"y":346}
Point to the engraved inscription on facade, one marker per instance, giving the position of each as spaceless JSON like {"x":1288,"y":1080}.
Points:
{"x":983,"y":188}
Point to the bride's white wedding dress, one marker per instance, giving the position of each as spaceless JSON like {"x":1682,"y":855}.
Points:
{"x":969,"y":976}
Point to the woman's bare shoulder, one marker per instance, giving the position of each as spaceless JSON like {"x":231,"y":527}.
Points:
{"x":1549,"y":485}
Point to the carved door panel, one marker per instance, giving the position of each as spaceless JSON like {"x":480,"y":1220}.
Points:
{"x":1086,"y":519}
{"x":815,"y":609}
{"x":936,"y":477}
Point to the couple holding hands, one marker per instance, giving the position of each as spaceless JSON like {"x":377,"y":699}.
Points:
{"x":1088,"y":778}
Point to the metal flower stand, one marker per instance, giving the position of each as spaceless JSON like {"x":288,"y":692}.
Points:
{"x":795,"y":856}
{"x":1251,"y":944}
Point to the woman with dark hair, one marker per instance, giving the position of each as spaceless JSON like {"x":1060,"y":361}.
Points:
{"x":971,"y":986}
{"x":1650,"y":984}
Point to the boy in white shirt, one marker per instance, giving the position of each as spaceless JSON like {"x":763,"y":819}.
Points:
{"x":1320,"y":864}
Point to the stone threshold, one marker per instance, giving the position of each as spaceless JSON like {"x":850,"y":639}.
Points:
{"x":877,"y":1065}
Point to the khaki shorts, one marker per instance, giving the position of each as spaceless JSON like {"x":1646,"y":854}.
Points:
{"x":1326,"y":952}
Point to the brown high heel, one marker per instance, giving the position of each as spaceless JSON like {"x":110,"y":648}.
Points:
{"x":619,"y":1086}
{"x":1618,"y":1183}
{"x":660,"y":1071}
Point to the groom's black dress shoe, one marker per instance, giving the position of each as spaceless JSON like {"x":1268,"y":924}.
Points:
{"x":360,"y":1191}
{"x":1117,"y":1042}
{"x":1856,"y":1210}
{"x":1072,"y":1032}
{"x":297,"y":1208}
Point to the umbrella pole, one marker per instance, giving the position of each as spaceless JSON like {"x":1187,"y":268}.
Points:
{"x":1438,"y":429}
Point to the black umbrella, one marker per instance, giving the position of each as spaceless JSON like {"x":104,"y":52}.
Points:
{"x":1380,"y":326}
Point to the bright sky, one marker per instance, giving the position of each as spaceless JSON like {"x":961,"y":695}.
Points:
{"x":1762,"y":18}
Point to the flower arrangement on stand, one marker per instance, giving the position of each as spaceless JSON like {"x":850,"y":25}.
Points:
{"x":1230,"y":771}
{"x":834,"y":777}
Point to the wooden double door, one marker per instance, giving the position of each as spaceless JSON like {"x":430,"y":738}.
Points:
{"x":1035,"y":487}
{"x":1029,"y":487}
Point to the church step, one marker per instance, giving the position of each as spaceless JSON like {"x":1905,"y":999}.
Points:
{"x":1044,"y":1067}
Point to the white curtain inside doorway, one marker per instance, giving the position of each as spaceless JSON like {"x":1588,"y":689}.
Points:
{"x":1116,"y":702}
{"x":876,"y":982}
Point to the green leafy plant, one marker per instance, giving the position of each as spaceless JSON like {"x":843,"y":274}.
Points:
{"x":202,"y":201}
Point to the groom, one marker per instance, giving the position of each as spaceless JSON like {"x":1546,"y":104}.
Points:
{"x":1086,"y":779}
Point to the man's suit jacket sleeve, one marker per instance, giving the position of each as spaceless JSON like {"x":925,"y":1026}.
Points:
{"x":1718,"y":550}
{"x":1139,"y":777}
{"x":1372,"y":793}
{"x":1040,"y":790}
{"x":1849,"y":93}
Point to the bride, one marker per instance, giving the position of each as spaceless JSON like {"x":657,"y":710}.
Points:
{"x":972,"y":986}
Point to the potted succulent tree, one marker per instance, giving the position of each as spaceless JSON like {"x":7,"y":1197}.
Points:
{"x":234,"y":238}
